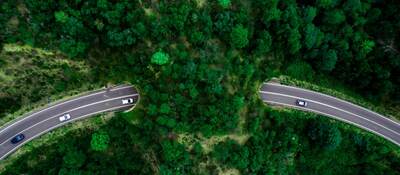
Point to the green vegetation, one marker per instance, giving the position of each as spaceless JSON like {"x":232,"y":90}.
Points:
{"x":27,"y":75}
{"x":239,"y":37}
{"x":224,"y":3}
{"x":99,"y":141}
{"x":198,"y":65}
{"x":159,"y":58}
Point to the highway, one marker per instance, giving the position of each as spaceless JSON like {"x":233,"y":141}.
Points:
{"x":42,"y":121}
{"x":277,"y":94}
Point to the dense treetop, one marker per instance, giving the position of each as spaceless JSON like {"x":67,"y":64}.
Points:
{"x":198,"y":65}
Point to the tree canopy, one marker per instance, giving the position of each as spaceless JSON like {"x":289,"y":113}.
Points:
{"x":159,"y":58}
{"x":198,"y":66}
{"x":239,"y":37}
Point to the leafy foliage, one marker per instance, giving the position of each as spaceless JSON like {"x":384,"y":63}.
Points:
{"x":224,"y":3}
{"x":159,"y":58}
{"x":100,"y":141}
{"x":217,"y":53}
{"x":28,"y":75}
{"x":239,"y":36}
{"x":300,"y":70}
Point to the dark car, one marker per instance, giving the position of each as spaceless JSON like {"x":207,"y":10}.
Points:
{"x":301,"y":103}
{"x":17,"y":138}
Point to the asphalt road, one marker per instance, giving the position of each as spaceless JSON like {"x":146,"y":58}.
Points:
{"x":332,"y":107}
{"x":39,"y":122}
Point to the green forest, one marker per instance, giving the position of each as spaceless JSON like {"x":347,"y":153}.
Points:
{"x":198,"y":65}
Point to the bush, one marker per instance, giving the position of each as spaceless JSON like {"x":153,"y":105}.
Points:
{"x":300,"y":70}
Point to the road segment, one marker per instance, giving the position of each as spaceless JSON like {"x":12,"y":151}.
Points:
{"x":333,"y":107}
{"x":42,"y":121}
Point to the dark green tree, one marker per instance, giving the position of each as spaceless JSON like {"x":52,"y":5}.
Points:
{"x":324,"y":135}
{"x":334,"y":17}
{"x":74,"y":159}
{"x":294,"y":41}
{"x":264,"y":43}
{"x":329,"y":60}
{"x":326,"y":3}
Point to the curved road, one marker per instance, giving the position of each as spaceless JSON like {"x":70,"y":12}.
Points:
{"x":42,"y":121}
{"x":333,"y":107}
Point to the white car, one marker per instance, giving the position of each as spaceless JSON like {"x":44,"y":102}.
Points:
{"x":127,"y":101}
{"x":64,"y":117}
{"x":301,"y":103}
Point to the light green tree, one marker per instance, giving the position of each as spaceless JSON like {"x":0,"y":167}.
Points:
{"x":224,"y":3}
{"x":239,"y":36}
{"x":164,"y":108}
{"x":193,"y":92}
{"x":160,"y":58}
{"x":100,"y":141}
{"x":273,"y":14}
{"x":367,"y":46}
{"x":61,"y":16}
{"x":309,"y":14}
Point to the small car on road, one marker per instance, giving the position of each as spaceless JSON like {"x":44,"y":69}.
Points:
{"x":301,"y":103}
{"x":64,"y":117}
{"x":128,"y":101}
{"x":17,"y":138}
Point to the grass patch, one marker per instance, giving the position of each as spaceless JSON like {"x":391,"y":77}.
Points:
{"x":30,"y":75}
{"x":43,"y":103}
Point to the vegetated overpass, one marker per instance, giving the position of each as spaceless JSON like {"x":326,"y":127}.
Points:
{"x":47,"y":119}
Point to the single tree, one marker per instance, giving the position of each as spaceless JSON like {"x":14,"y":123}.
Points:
{"x":309,"y":14}
{"x":367,"y":46}
{"x":325,"y":3}
{"x":264,"y":43}
{"x":164,"y":108}
{"x":329,"y":60}
{"x":61,"y":16}
{"x":334,"y":17}
{"x":224,"y":3}
{"x":74,"y":159}
{"x":326,"y":136}
{"x":239,"y":36}
{"x":160,"y":58}
{"x":294,"y":41}
{"x":100,"y":141}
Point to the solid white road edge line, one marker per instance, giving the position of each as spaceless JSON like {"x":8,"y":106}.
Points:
{"x":11,"y":123}
{"x":57,"y":115}
{"x":337,"y":118}
{"x":332,"y":97}
{"x":62,"y":123}
{"x":273,"y":93}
